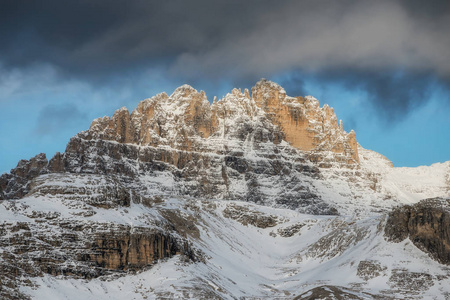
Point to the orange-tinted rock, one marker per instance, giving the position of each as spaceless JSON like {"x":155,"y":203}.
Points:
{"x":128,"y":250}
{"x":305,"y":124}
{"x":186,"y":120}
{"x":207,"y":148}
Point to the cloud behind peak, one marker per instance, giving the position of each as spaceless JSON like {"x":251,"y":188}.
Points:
{"x":393,"y":50}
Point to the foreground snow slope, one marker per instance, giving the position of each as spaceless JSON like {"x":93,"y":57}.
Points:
{"x":246,"y":250}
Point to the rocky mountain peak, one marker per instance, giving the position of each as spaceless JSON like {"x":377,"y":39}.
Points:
{"x":267,"y":85}
{"x":187,"y":92}
{"x":188,"y":116}
{"x":208,"y":146}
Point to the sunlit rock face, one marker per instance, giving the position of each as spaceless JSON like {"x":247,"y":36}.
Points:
{"x":261,"y":147}
{"x":186,"y":121}
{"x":305,"y":125}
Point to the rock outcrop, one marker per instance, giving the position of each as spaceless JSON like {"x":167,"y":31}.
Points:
{"x":337,"y":292}
{"x":79,"y":250}
{"x":426,"y":224}
{"x":305,"y":124}
{"x":14,"y":185}
{"x":133,"y":249}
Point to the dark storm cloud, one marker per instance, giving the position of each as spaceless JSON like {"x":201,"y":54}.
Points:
{"x":361,"y":35}
{"x":225,"y":37}
{"x":391,"y":94}
{"x":54,"y":118}
{"x":104,"y":36}
{"x":365,"y":42}
{"x":294,"y":84}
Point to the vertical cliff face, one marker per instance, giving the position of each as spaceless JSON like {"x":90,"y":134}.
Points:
{"x":306,"y":125}
{"x":133,"y":250}
{"x":426,"y":224}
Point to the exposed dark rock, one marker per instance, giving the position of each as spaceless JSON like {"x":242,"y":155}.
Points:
{"x":290,"y":230}
{"x":14,"y":184}
{"x":183,"y":225}
{"x":104,"y":192}
{"x":245,"y":216}
{"x":427,"y":224}
{"x":338,"y":293}
{"x":410,"y":282}
{"x":133,"y":249}
{"x":369,"y":269}
{"x":56,"y":163}
{"x":344,"y":237}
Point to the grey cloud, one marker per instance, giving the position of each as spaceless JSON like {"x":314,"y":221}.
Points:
{"x":106,"y":36}
{"x":225,"y":38}
{"x":391,"y":94}
{"x":362,"y":44}
{"x":54,"y":118}
{"x":363,"y":35}
{"x":294,"y":84}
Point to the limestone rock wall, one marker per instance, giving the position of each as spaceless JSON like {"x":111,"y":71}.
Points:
{"x":305,"y":124}
{"x":426,"y":224}
{"x":185,"y":120}
{"x":133,"y":249}
{"x":14,"y":184}
{"x":79,"y":249}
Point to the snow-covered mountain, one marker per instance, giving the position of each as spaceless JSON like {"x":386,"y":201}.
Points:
{"x":257,"y":195}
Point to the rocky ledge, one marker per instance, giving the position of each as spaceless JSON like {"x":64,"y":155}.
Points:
{"x":426,"y":224}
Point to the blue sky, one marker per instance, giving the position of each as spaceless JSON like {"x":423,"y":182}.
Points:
{"x":382,"y":65}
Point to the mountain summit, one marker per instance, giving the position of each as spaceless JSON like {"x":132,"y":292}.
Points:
{"x":264,"y":147}
{"x":185,"y":120}
{"x":258,"y":194}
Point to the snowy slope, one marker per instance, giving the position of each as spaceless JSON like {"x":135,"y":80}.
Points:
{"x":298,"y":253}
